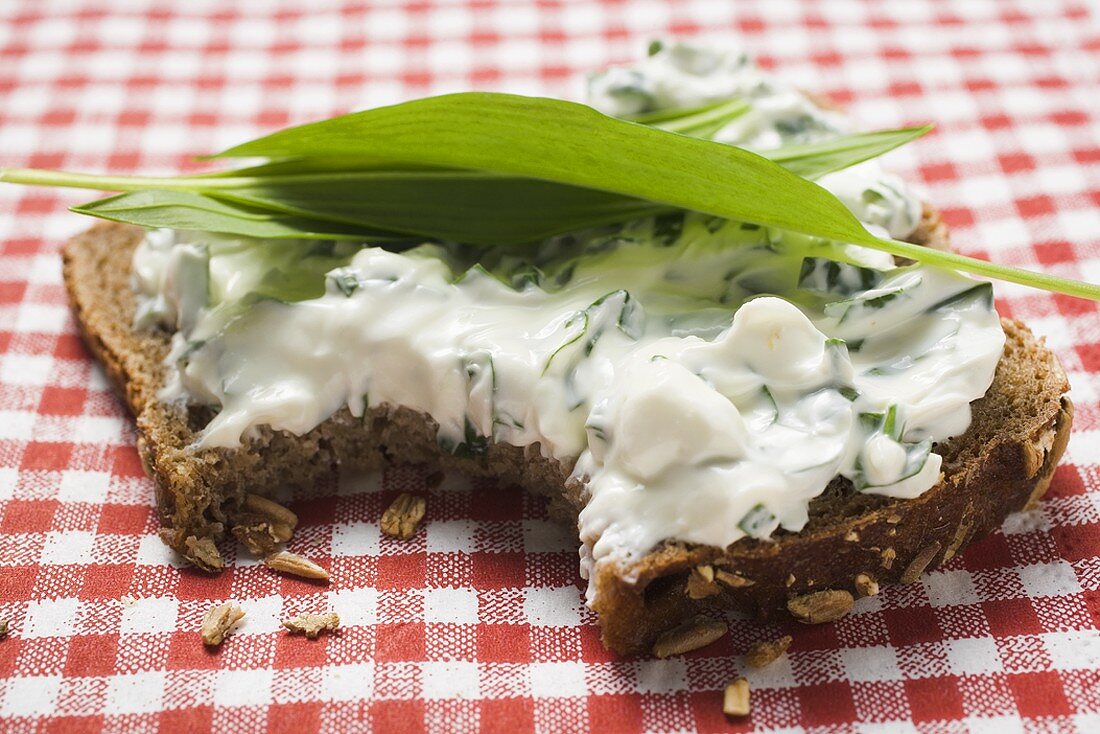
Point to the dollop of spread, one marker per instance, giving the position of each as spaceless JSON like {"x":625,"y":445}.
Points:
{"x":704,"y":378}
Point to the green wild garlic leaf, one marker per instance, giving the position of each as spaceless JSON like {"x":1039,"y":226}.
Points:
{"x":625,"y":167}
{"x":188,"y":210}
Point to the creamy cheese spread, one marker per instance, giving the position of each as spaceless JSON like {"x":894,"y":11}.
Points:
{"x":705,"y":378}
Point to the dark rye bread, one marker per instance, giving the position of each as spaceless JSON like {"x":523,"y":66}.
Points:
{"x":1002,"y":464}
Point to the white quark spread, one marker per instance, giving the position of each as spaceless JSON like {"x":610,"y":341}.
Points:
{"x":682,"y":76}
{"x":706,"y":378}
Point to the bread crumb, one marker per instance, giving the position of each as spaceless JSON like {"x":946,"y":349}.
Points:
{"x":700,"y":583}
{"x":767,"y":652}
{"x":128,"y":601}
{"x":688,"y":636}
{"x":402,"y":517}
{"x":203,"y":553}
{"x":3,"y":628}
{"x":866,"y":585}
{"x":312,"y":625}
{"x":218,"y":622}
{"x":851,"y":536}
{"x":296,"y":565}
{"x":735,"y":701}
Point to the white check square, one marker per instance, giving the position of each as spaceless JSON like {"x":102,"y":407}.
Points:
{"x":153,"y":552}
{"x":36,"y":317}
{"x":31,"y":696}
{"x":150,"y":614}
{"x":450,"y":536}
{"x":552,"y":607}
{"x":135,"y":693}
{"x":451,"y":679}
{"x":26,"y":369}
{"x":355,"y":539}
{"x":357,"y":607}
{"x":454,"y":606}
{"x":554,"y":680}
{"x":243,"y":687}
{"x":51,"y":617}
{"x":973,"y":656}
{"x":996,"y":725}
{"x":353,"y":682}
{"x":1076,"y":650}
{"x":8,"y":478}
{"x":17,"y":424}
{"x":69,"y":547}
{"x":877,"y":663}
{"x":1049,"y":579}
{"x":950,"y":588}
{"x":661,"y":676}
{"x":83,"y":486}
{"x":97,"y":429}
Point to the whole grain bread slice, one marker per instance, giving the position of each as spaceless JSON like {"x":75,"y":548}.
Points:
{"x":853,"y":542}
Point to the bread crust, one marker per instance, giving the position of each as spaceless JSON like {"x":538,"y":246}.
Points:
{"x":1002,"y":464}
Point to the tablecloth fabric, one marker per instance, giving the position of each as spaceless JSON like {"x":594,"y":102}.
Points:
{"x":477,"y":623}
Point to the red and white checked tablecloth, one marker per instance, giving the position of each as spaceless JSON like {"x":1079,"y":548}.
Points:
{"x":478,"y":624}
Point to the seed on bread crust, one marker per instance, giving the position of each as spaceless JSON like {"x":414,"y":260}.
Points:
{"x":820,"y":606}
{"x":263,"y":524}
{"x":919,"y":563}
{"x":402,"y":517}
{"x":957,"y":542}
{"x":261,"y":538}
{"x":700,"y":583}
{"x":687,"y":637}
{"x":145,"y":457}
{"x":272,"y":510}
{"x":296,"y":565}
{"x":732,"y":580}
{"x":1035,"y":454}
{"x":312,"y":625}
{"x":866,"y":585}
{"x":888,"y":555}
{"x":735,"y":701}
{"x":766,"y":652}
{"x":217,"y":623}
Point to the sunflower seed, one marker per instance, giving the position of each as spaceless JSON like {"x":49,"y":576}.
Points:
{"x":820,"y":606}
